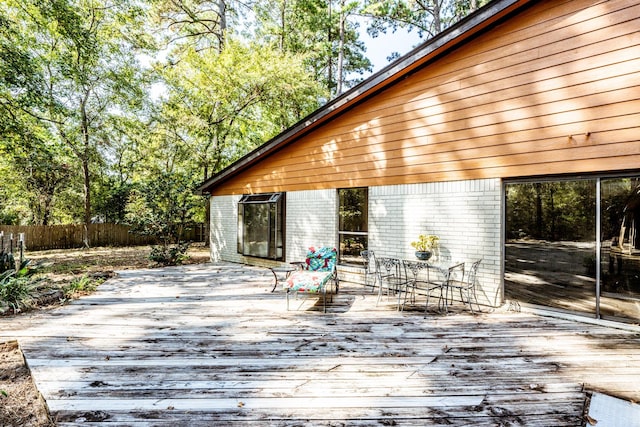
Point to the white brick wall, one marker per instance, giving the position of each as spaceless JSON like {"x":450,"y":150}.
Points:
{"x":312,"y":220}
{"x":465,"y":214}
{"x":224,"y":224}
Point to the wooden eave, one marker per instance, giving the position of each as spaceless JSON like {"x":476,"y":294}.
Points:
{"x":452,"y":38}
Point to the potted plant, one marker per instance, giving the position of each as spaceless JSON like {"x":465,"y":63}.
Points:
{"x":425,"y":245}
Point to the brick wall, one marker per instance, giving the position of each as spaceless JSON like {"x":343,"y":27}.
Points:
{"x":224,"y":224}
{"x":311,"y":221}
{"x":465,"y":214}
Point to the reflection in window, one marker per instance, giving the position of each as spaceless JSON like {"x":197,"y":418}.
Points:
{"x":620,"y":248}
{"x":261,"y":225}
{"x":352,"y":224}
{"x":550,"y":256}
{"x":550,"y":244}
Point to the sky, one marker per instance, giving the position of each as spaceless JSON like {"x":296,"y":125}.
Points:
{"x":382,"y":46}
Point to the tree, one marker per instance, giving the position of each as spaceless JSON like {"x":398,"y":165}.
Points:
{"x":199,"y":24}
{"x":322,"y":32}
{"x":164,"y":205}
{"x":41,"y":168}
{"x":83,"y":55}
{"x":219,"y":106}
{"x":427,"y":17}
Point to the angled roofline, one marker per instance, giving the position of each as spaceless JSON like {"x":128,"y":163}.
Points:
{"x":465,"y":30}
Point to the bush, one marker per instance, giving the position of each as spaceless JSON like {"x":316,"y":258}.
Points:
{"x":16,"y":291}
{"x":169,"y":254}
{"x":17,"y":288}
{"x":81,"y":286}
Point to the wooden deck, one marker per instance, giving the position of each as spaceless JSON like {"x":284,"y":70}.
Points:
{"x":210,"y":345}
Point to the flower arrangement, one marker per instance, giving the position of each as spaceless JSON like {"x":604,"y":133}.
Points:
{"x":425,"y":242}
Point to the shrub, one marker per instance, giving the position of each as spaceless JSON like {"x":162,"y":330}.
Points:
{"x":17,"y":288}
{"x":16,"y":291}
{"x":81,"y":286}
{"x":169,"y":254}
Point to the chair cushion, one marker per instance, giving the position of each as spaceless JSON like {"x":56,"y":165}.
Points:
{"x":307,"y":281}
{"x":323,"y":259}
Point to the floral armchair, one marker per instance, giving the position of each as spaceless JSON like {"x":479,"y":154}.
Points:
{"x":318,"y":269}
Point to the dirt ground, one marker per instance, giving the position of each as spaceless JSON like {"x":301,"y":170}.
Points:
{"x":20,"y":401}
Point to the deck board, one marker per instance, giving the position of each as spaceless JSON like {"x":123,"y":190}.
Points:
{"x":211,"y":345}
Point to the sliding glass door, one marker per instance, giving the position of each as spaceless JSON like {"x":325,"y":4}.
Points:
{"x":620,"y":250}
{"x":551,"y":241}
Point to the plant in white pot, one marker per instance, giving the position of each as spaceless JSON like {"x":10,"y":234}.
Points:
{"x":425,"y":245}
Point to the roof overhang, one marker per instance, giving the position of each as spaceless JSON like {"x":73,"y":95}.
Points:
{"x":464,"y":31}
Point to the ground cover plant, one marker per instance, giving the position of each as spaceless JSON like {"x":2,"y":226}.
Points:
{"x":59,"y":276}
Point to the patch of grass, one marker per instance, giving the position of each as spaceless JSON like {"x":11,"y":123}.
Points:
{"x":83,"y":285}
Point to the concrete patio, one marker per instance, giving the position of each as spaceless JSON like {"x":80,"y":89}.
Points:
{"x":210,"y":344}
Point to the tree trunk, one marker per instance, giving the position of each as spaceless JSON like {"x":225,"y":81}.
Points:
{"x":207,"y":214}
{"x":538,"y":231}
{"x":437,"y":17}
{"x":222,"y":12}
{"x":339,"y":78}
{"x":86,"y":153}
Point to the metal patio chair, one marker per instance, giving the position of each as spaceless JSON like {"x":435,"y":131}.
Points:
{"x":466,"y":285}
{"x":389,"y":272}
{"x":420,"y":279}
{"x":370,"y":271}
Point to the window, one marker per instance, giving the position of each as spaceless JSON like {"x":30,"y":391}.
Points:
{"x":550,"y":243}
{"x":353,"y":217}
{"x":261,"y":225}
{"x":553,"y":231}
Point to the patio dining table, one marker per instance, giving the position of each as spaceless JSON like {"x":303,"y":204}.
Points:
{"x":428,"y":276}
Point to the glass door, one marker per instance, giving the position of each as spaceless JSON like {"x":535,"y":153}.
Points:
{"x":550,"y":244}
{"x":620,"y":248}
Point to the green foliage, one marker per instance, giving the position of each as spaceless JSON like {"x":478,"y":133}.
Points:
{"x":323,"y":31}
{"x":428,"y":17}
{"x":16,"y":288}
{"x":81,"y":286}
{"x":165,"y":255}
{"x":164,"y":206}
{"x":221,"y":105}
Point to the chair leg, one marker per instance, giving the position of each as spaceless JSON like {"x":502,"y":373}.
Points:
{"x":475,"y":297}
{"x":467,"y":291}
{"x":324,"y":299}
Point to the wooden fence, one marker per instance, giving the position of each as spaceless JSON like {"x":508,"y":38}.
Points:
{"x":41,"y":237}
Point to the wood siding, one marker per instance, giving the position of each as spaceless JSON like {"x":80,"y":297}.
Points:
{"x":553,"y":90}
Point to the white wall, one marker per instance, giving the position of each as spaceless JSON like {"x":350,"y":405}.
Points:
{"x":465,"y":214}
{"x":224,"y":224}
{"x":312,"y":220}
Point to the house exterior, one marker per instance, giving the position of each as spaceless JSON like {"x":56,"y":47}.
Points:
{"x":521,"y":97}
